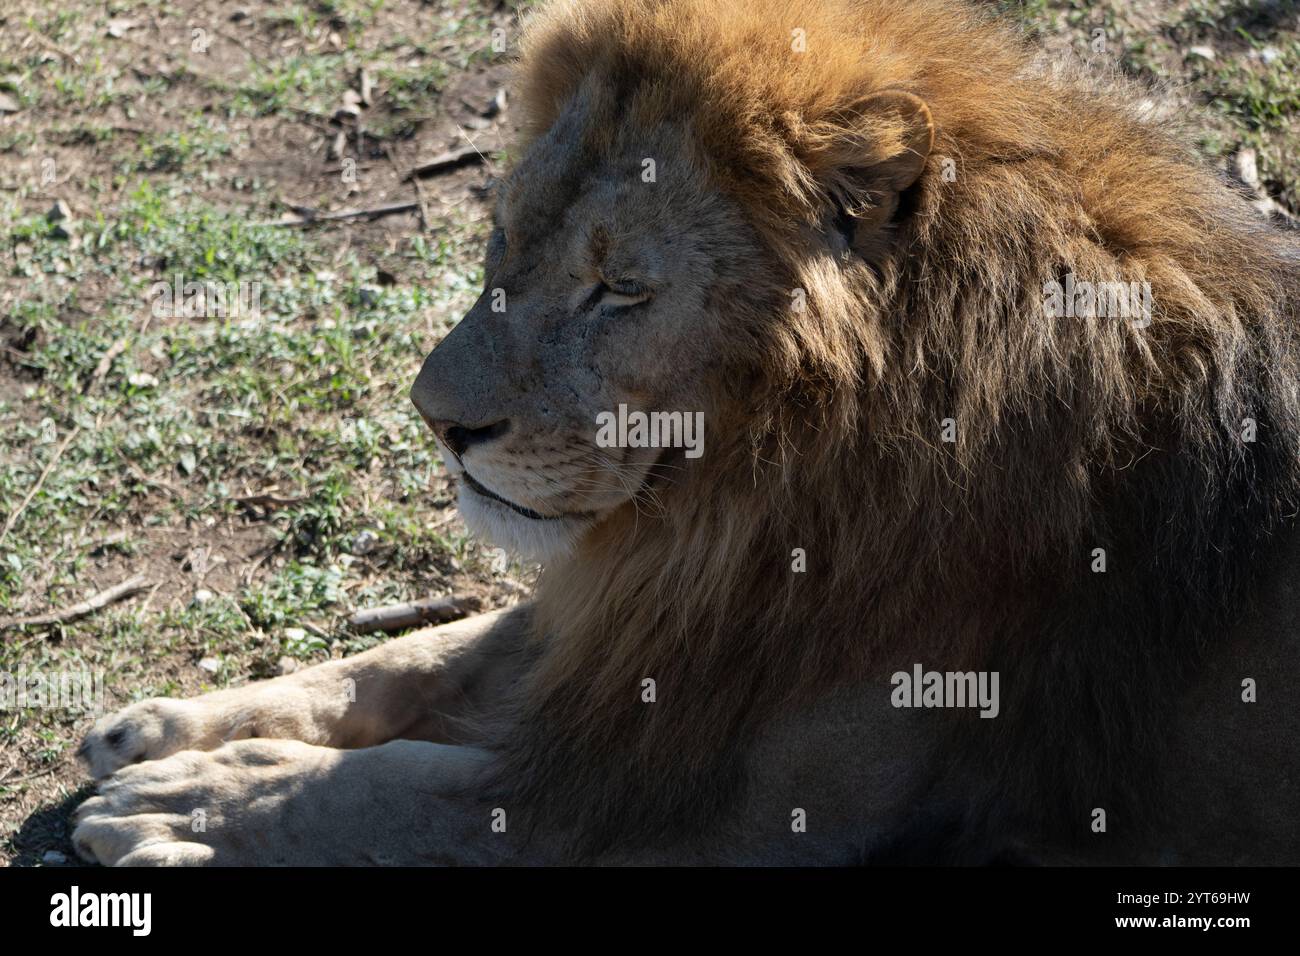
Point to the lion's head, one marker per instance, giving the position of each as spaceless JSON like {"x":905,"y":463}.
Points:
{"x":603,"y":288}
{"x":829,"y":227}
{"x":626,"y":275}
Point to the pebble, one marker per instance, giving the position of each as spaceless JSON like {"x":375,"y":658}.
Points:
{"x":363,"y":543}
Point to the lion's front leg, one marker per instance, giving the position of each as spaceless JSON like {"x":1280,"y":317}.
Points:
{"x":280,"y":802}
{"x":403,"y":688}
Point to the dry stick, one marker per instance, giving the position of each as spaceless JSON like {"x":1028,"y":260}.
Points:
{"x":425,"y":221}
{"x":270,"y":502}
{"x":372,"y":213}
{"x":132,"y":585}
{"x":249,"y":570}
{"x":12,"y":781}
{"x":397,"y":617}
{"x":31,"y":492}
{"x":334,"y":170}
{"x":55,"y":48}
{"x":105,"y":363}
{"x":97,"y":376}
{"x":143,"y":478}
{"x":109,"y":541}
{"x":448,"y":161}
{"x":252,"y":55}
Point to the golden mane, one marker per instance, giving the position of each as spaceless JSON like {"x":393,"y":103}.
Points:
{"x":1072,"y":434}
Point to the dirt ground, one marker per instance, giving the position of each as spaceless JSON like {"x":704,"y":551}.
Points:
{"x":261,"y":469}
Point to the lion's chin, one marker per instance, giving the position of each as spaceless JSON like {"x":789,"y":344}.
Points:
{"x":532,"y":540}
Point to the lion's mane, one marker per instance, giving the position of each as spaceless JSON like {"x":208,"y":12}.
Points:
{"x":1072,"y":434}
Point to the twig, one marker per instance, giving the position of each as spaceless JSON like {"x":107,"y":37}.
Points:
{"x":258,"y":560}
{"x":8,"y":782}
{"x":109,"y":541}
{"x":269,"y":502}
{"x":448,"y":161}
{"x":252,"y":55}
{"x":97,"y":376}
{"x":331,"y":170}
{"x":415,"y":181}
{"x":105,"y":363}
{"x":311,"y":216}
{"x":45,"y":473}
{"x":55,"y":48}
{"x":397,"y":617}
{"x":158,"y":483}
{"x":465,"y":136}
{"x":132,"y":585}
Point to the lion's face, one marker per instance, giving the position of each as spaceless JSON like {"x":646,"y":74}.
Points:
{"x":601,"y":290}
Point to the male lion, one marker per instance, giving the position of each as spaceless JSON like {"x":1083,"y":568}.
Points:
{"x":836,"y":229}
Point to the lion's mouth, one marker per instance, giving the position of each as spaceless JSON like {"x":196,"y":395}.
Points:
{"x":518,"y":509}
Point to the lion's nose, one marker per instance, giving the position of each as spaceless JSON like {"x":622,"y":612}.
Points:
{"x":460,"y":439}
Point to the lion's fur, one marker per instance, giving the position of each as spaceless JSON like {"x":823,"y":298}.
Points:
{"x":1074,"y":434}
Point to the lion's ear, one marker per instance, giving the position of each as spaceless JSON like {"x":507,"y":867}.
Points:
{"x":877,"y":157}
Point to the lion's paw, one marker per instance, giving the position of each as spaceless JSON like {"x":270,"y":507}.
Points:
{"x":149,"y":730}
{"x":194,"y":807}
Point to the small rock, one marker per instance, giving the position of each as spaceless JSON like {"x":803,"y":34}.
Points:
{"x":142,"y":380}
{"x":366,"y":87}
{"x":54,"y":857}
{"x":202,"y":596}
{"x":210,"y":664}
{"x":1269,"y":55}
{"x":287,"y":665}
{"x":8,"y":104}
{"x":1203,"y":52}
{"x":363,"y":543}
{"x":118,"y":28}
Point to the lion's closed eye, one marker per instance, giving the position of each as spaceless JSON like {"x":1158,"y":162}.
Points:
{"x":620,"y":294}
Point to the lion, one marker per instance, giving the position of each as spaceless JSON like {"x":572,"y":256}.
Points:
{"x":835,"y":231}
